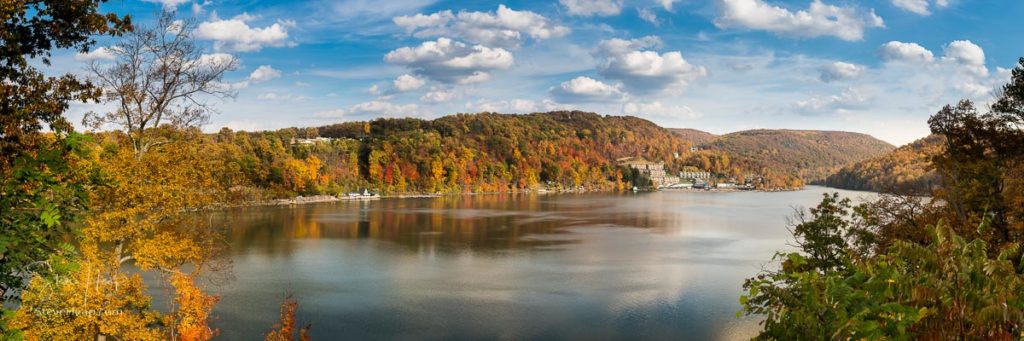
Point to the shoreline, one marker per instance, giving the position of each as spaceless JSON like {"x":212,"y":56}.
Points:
{"x":323,"y":198}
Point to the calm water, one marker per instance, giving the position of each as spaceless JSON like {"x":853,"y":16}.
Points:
{"x":666,"y":265}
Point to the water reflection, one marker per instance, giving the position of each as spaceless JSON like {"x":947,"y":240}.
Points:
{"x":664,"y":265}
{"x":481,"y":223}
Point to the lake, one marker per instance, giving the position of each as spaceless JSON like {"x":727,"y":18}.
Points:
{"x":663,"y":265}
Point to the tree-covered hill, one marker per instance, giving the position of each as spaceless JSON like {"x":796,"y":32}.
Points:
{"x":812,"y":155}
{"x":906,"y":170}
{"x":693,"y":135}
{"x":484,"y":152}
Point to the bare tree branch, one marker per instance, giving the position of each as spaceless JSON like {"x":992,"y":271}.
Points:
{"x":160,"y":76}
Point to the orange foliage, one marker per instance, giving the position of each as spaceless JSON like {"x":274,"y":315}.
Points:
{"x":193,"y":309}
{"x":284,"y":330}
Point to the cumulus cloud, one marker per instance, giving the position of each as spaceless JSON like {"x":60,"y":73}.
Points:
{"x":438,"y":95}
{"x":264,"y":73}
{"x":408,"y":82}
{"x":585,"y":89}
{"x":215,"y":59}
{"x":645,"y":71}
{"x":838,"y":71}
{"x":235,"y":34}
{"x":99,"y":53}
{"x":646,"y":14}
{"x":657,"y":109}
{"x":921,"y":7}
{"x":846,"y":23}
{"x":616,"y":46}
{"x":908,"y":52}
{"x":970,"y":56}
{"x":849,"y":99}
{"x":588,"y":8}
{"x":450,"y":61}
{"x":505,"y":27}
{"x":261,"y":74}
{"x":667,"y":4}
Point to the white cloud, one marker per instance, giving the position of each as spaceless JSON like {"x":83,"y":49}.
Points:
{"x":667,"y":4}
{"x":846,"y":23}
{"x":505,"y":27}
{"x":235,"y":34}
{"x":588,"y":8}
{"x":216,"y":59}
{"x":169,"y":4}
{"x":440,"y":96}
{"x":645,"y":71}
{"x":840,"y":71}
{"x":450,"y":61}
{"x":659,"y":110}
{"x":646,"y":14}
{"x":616,"y":46}
{"x":921,"y":7}
{"x":384,"y":108}
{"x":585,"y":89}
{"x":264,"y":73}
{"x":374,"y":108}
{"x":408,"y":82}
{"x":261,"y":74}
{"x":849,"y":99}
{"x":374,"y":90}
{"x":99,"y":53}
{"x":909,"y":52}
{"x":970,"y":56}
{"x":521,"y":106}
{"x":975,"y":89}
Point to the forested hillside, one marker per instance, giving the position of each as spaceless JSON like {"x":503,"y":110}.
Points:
{"x":811,"y":155}
{"x":905,"y":170}
{"x":693,"y":135}
{"x":483,"y":152}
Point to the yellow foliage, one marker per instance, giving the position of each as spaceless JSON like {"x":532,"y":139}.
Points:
{"x":92,"y":301}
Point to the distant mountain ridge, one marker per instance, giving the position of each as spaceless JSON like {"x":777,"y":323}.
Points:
{"x":906,"y":169}
{"x":812,"y":155}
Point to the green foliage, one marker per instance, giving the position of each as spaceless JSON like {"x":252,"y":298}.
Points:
{"x":963,"y":280}
{"x":42,"y":192}
{"x":948,"y":289}
{"x":829,"y":238}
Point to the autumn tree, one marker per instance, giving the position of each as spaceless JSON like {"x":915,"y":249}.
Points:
{"x":159,"y":76}
{"x":40,"y":191}
{"x":285,"y":328}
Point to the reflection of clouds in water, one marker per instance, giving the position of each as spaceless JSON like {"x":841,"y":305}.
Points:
{"x":653,"y":265}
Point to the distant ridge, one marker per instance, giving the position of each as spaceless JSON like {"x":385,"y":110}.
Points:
{"x":695,"y":136}
{"x":812,"y":155}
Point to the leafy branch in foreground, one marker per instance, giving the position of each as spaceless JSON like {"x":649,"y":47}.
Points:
{"x":947,"y":289}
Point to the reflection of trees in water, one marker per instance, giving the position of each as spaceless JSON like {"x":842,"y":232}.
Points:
{"x":480,"y":223}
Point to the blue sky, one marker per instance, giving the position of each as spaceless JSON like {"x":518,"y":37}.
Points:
{"x":877,"y":67}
